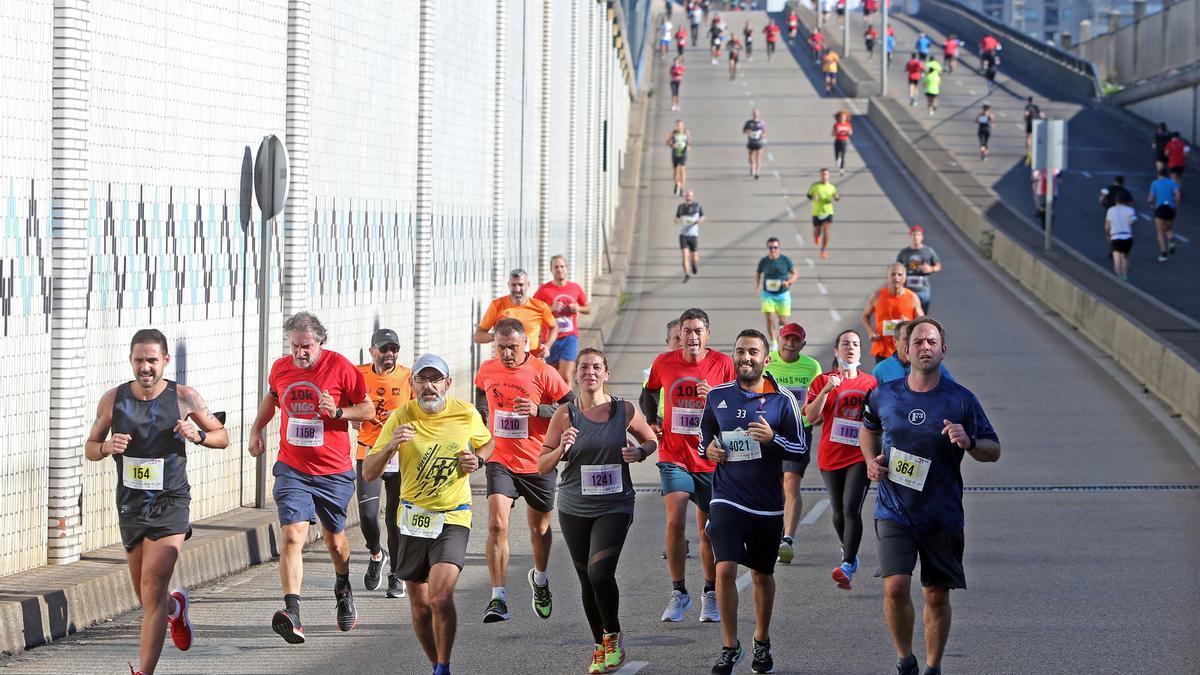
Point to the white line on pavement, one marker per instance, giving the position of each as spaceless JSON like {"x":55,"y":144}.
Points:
{"x":775,"y":171}
{"x":834,"y":313}
{"x":771,"y":158}
{"x":791,"y":214}
{"x":632,"y":667}
{"x":799,"y":239}
{"x":1085,"y":173}
{"x":821,"y":287}
{"x":815,"y":512}
{"x":972,"y":92}
{"x":1146,"y":217}
{"x":1182,"y":238}
{"x":808,"y":260}
{"x":743,"y":581}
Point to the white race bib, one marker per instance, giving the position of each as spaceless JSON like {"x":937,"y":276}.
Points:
{"x":915,"y":281}
{"x":393,"y":465}
{"x":686,"y":420}
{"x":845,"y":431}
{"x":889,"y":326}
{"x":142,"y":473}
{"x":511,"y":425}
{"x":417,"y":522}
{"x":739,"y":446}
{"x":601,"y":479}
{"x":566,"y":324}
{"x":908,"y":470}
{"x":773,"y":285}
{"x":691,"y":219}
{"x":305,"y":433}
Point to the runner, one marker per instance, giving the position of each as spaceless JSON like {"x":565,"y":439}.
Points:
{"x":985,"y":119}
{"x":923,"y":45}
{"x":888,"y":305}
{"x":676,"y":74}
{"x":319,"y":393}
{"x":735,"y":53}
{"x":933,"y":83}
{"x":840,"y":6}
{"x":793,"y":23}
{"x":687,"y":375}
{"x":755,"y":131}
{"x":1161,"y":138}
{"x":534,"y":315}
{"x":389,"y":388}
{"x":950,"y":50}
{"x":829,"y":66}
{"x":773,"y":283}
{"x":748,"y":40}
{"x":869,"y":8}
{"x":795,"y":371}
{"x":518,"y":394}
{"x":595,"y":495}
{"x":697,"y":18}
{"x":1177,"y":151}
{"x":822,"y":194}
{"x":679,"y":140}
{"x":1165,"y":197}
{"x":989,"y":51}
{"x":816,"y":46}
{"x":842,"y":131}
{"x":889,"y":46}
{"x":915,"y":68}
{"x":567,"y":300}
{"x":435,"y":439}
{"x":749,"y":427}
{"x":835,"y":401}
{"x":152,"y":420}
{"x":920,"y":262}
{"x":689,"y":216}
{"x":1109,"y":195}
{"x":665,"y":32}
{"x":896,"y":366}
{"x":772,"y":32}
{"x":681,"y":40}
{"x":651,"y":400}
{"x":989,"y":72}
{"x":1032,"y":112}
{"x":927,"y":425}
{"x":715,"y":37}
{"x":1118,"y":225}
{"x":869,"y":37}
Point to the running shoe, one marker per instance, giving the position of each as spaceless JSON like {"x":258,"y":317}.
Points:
{"x":857,"y":562}
{"x":817,"y":240}
{"x":597,"y":666}
{"x":374,"y":575}
{"x":179,"y":625}
{"x":543,"y":603}
{"x":907,"y":666}
{"x":135,"y":672}
{"x":763,"y":661}
{"x":930,"y":670}
{"x":288,"y":627}
{"x":685,"y":280}
{"x":730,"y":657}
{"x":614,"y":651}
{"x":347,"y":615}
{"x":1171,"y":248}
{"x":1162,"y":257}
{"x":396,"y":587}
{"x":695,"y":269}
{"x":680,"y":602}
{"x":824,"y":254}
{"x":709,"y":613}
{"x":842,"y":574}
{"x":497,"y":610}
{"x":787,"y":552}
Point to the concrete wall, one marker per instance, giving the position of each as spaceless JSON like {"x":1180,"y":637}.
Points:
{"x":1180,"y":109}
{"x":175,"y":92}
{"x":1160,"y":42}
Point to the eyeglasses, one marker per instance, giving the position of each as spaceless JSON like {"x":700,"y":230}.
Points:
{"x":773,"y":248}
{"x":428,"y":379}
{"x":389,"y":349}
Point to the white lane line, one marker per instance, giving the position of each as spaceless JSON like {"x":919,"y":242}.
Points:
{"x":808,"y":260}
{"x":800,"y":240}
{"x":792,"y":214}
{"x":775,"y":171}
{"x":815,"y":512}
{"x":834,"y":313}
{"x":751,"y":103}
{"x":1146,"y":217}
{"x":1085,"y":173}
{"x":743,"y":581}
{"x":821,"y":287}
{"x":1003,"y":114}
{"x":632,"y":667}
{"x":971,"y":91}
{"x":771,"y":158}
{"x":1182,"y":238}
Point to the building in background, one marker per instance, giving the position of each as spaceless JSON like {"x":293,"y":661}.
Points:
{"x":1048,"y":19}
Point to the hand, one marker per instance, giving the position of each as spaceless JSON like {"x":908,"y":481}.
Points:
{"x":117,"y":445}
{"x":757,"y":288}
{"x":832,"y":383}
{"x":876,"y":336}
{"x":876,"y":469}
{"x":188,"y":430}
{"x":556,"y":307}
{"x":326,"y":405}
{"x":631,"y":454}
{"x":657,"y":429}
{"x":468,"y":461}
{"x":926,"y":268}
{"x":403,"y":434}
{"x":568,"y":437}
{"x":356,"y":425}
{"x":787,"y":283}
{"x":761,"y":431}
{"x":257,"y":445}
{"x":957,"y":434}
{"x":715,"y":452}
{"x":523,"y":406}
{"x":702,"y":389}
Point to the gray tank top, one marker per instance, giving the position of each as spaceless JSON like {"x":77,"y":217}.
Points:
{"x":154,"y":466}
{"x":595,"y":480}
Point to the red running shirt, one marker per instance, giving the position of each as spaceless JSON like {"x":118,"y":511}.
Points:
{"x":308,"y":442}
{"x":842,"y":131}
{"x":676,"y":73}
{"x":682,"y":406}
{"x":1176,"y":151}
{"x":550,"y":293}
{"x":914,"y":69}
{"x":841,"y":419}
{"x":772,"y":32}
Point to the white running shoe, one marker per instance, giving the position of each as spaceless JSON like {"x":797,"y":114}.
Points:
{"x":708,"y":608}
{"x":680,"y":602}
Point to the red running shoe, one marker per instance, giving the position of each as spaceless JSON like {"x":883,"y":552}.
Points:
{"x":179,"y":625}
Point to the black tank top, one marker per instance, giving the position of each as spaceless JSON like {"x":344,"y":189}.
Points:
{"x":597,"y":451}
{"x":154,"y":465}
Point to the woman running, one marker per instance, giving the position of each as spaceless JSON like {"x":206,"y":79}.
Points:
{"x":835,"y":401}
{"x":595,"y":495}
{"x":735,"y":52}
{"x":748,"y":40}
{"x":842,"y":130}
{"x":985,"y":119}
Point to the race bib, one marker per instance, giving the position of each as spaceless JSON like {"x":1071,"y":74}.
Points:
{"x":756,"y":134}
{"x":773,"y":285}
{"x":566,"y":324}
{"x":845,"y":431}
{"x":915,"y":281}
{"x":417,"y":522}
{"x":908,"y":470}
{"x":889,"y":326}
{"x":305,"y":433}
{"x":142,"y":473}
{"x":691,"y":219}
{"x":740,"y":446}
{"x":393,"y":465}
{"x":686,"y":421}
{"x":601,"y":479}
{"x":511,"y":425}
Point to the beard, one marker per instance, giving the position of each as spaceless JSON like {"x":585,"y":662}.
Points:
{"x":430,"y":406}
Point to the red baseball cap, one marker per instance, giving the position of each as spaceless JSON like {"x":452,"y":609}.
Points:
{"x":917,"y":228}
{"x":793,"y":329}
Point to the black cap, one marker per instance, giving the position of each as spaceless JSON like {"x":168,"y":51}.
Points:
{"x":384,"y":336}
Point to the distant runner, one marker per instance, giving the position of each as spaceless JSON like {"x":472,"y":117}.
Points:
{"x":679,"y":140}
{"x":822,"y":194}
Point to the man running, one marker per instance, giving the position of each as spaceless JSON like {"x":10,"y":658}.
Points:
{"x":687,"y":375}
{"x":389,"y":388}
{"x":735,"y":54}
{"x":697,"y":17}
{"x":1118,"y":225}
{"x":534,"y":315}
{"x":933,"y":83}
{"x":1164,"y":196}
{"x":319,"y":393}
{"x":897,"y":366}
{"x":750,"y":427}
{"x":716,"y":37}
{"x":822,"y":194}
{"x":1177,"y":151}
{"x":870,"y":36}
{"x":679,"y":140}
{"x":816,"y":46}
{"x":829,"y":66}
{"x":755,"y":131}
{"x":920,"y":262}
{"x":681,"y":40}
{"x":888,"y":305}
{"x":989,"y":50}
{"x":842,"y":131}
{"x":772,"y":32}
{"x":927,"y":426}
{"x":748,"y":40}
{"x":152,"y":420}
{"x":773,"y":284}
{"x":649,"y":400}
{"x":950,"y":50}
{"x":688,"y":216}
{"x":567,"y":300}
{"x":795,"y":371}
{"x":518,"y":395}
{"x":1032,"y":112}
{"x":915,"y":68}
{"x":793,"y":23}
{"x":676,"y":74}
{"x":1161,"y":137}
{"x":665,"y":31}
{"x":985,"y":119}
{"x":435,"y":439}
{"x":923,"y":45}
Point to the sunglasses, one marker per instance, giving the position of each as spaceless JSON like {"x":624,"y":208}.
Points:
{"x":389,"y":349}
{"x":772,"y":248}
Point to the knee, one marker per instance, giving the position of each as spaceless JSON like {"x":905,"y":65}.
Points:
{"x":294,"y":537}
{"x":895,"y":588}
{"x":937,"y":598}
{"x":498,"y":527}
{"x":441,"y":601}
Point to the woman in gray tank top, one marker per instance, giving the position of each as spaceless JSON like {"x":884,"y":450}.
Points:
{"x":595,"y":494}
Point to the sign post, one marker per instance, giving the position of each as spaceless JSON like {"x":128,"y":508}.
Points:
{"x":1050,"y":158}
{"x":883,"y":43}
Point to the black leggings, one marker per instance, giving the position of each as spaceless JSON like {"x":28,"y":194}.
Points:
{"x":847,"y":492}
{"x":839,"y":153}
{"x":368,"y":510}
{"x":595,"y":545}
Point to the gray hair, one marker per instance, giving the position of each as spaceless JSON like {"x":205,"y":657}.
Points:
{"x":517,"y":272}
{"x":306,"y":322}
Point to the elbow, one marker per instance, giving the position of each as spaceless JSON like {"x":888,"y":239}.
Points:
{"x":371,"y":471}
{"x":218,"y":440}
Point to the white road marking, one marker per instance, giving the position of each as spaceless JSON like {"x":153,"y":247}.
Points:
{"x":1182,"y":238}
{"x":815,"y":512}
{"x":821,"y":287}
{"x":771,"y":158}
{"x":632,"y":667}
{"x":808,"y":260}
{"x":792,"y":214}
{"x":1146,"y":217}
{"x":751,"y":102}
{"x":775,"y":171}
{"x":800,"y":240}
{"x":834,"y":313}
{"x":743,"y":581}
{"x":1085,"y":173}
{"x":1003,"y":114}
{"x":971,"y":91}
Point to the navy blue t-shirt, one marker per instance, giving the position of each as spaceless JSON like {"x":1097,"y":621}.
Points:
{"x":924,"y":486}
{"x":751,"y":478}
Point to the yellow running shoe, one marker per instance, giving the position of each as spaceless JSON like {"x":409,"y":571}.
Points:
{"x":614,"y":652}
{"x":597,"y":661}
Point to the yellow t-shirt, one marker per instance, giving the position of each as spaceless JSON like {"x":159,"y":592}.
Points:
{"x":822,"y":198}
{"x":429,"y":475}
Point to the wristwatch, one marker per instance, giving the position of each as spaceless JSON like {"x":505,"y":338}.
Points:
{"x":972,"y":444}
{"x":203,"y":436}
{"x":337,"y":414}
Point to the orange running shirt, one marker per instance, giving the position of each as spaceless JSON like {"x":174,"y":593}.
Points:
{"x":682,"y":406}
{"x":388,"y":392}
{"x":533,"y":315}
{"x":518,"y":438}
{"x":890,"y":309}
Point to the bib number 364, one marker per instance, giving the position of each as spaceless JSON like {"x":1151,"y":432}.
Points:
{"x":908,"y":470}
